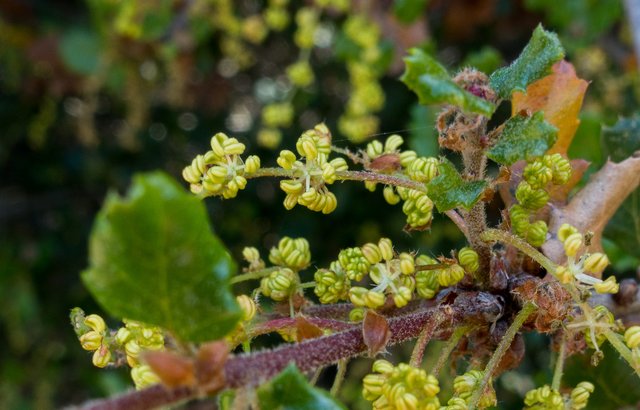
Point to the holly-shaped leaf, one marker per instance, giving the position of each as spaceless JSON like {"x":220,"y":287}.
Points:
{"x":153,"y":258}
{"x":449,"y":190}
{"x":523,"y":138}
{"x":433,"y":85}
{"x":535,"y":61}
{"x":559,"y":96}
{"x":290,"y":391}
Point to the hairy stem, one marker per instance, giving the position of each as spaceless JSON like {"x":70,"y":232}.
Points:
{"x":337,"y":382}
{"x":448,"y":348}
{"x":497,"y":235}
{"x":247,"y":370}
{"x":559,"y":366}
{"x":259,"y":274}
{"x":502,"y":348}
{"x":475,"y":164}
{"x":616,"y":341}
{"x":418,"y":349}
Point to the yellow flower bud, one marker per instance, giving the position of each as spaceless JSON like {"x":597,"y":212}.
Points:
{"x":374,"y":149}
{"x":382,"y":366}
{"x":372,"y":386}
{"x":565,"y":231}
{"x":632,"y":337}
{"x":96,"y":323}
{"x":563,"y":274}
{"x":248,"y":307}
{"x":216,"y":144}
{"x":357,"y":295}
{"x":596,"y":262}
{"x":250,"y":254}
{"x":386,"y":248}
{"x":372,"y":253}
{"x":402,"y":297}
{"x":390,"y":195}
{"x":608,"y":286}
{"x":292,"y":187}
{"x":393,"y":143}
{"x":572,"y":244}
{"x":373,"y":299}
{"x":252,"y":164}
{"x":407,"y":265}
{"x":356,"y":314}
{"x":286,"y":159}
{"x":290,"y":201}
{"x":233,"y":147}
{"x":580,"y":395}
{"x":101,"y":357}
{"x":123,"y":335}
{"x":91,"y":340}
{"x":469,"y":259}
{"x":328,"y":173}
{"x":143,"y":376}
{"x":339,"y":164}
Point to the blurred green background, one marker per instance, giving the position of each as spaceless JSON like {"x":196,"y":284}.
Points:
{"x":94,"y":91}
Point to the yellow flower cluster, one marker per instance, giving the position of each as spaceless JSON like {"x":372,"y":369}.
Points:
{"x":417,"y":205}
{"x":398,"y":276}
{"x":401,"y":387}
{"x":582,"y":269}
{"x":129,"y":341}
{"x":220,"y":171}
{"x":546,"y":398}
{"x":532,"y":195}
{"x":309,"y":186}
{"x":465,"y":385}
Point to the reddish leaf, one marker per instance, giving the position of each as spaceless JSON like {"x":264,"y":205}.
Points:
{"x":375,"y":331}
{"x":559,"y":95}
{"x":306,"y":330}
{"x":172,"y":369}
{"x":210,"y":365}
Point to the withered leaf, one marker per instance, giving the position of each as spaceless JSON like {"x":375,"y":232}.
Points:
{"x":375,"y":331}
{"x":559,"y":96}
{"x":209,"y":366}
{"x":172,"y":369}
{"x":306,"y":330}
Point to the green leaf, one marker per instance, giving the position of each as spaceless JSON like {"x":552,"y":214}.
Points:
{"x":619,"y":143}
{"x":448,"y":190}
{"x":623,"y":139}
{"x":153,"y":258}
{"x":290,"y":391}
{"x":80,"y":51}
{"x":523,"y":138}
{"x":535,"y":61}
{"x":408,"y":11}
{"x":616,"y":385}
{"x":433,"y":85}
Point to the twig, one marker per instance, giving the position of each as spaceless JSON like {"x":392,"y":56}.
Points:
{"x":559,"y":367}
{"x":246,"y":370}
{"x":253,"y":275}
{"x":337,"y":382}
{"x":502,"y":348}
{"x":448,"y":348}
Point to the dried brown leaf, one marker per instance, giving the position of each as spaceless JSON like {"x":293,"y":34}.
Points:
{"x":375,"y":331}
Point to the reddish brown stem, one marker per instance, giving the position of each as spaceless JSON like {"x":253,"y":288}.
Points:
{"x":251,"y":369}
